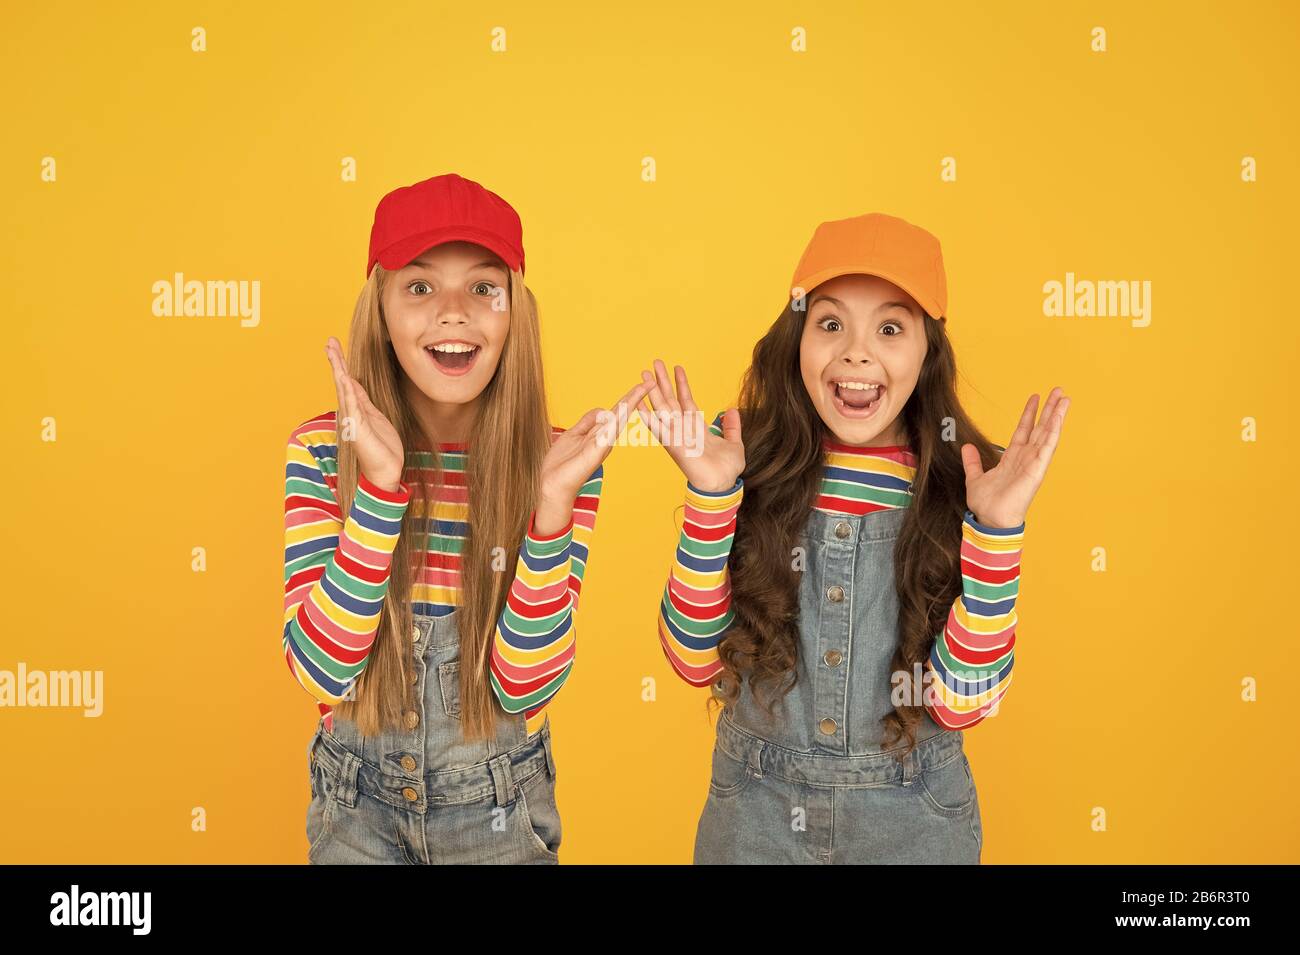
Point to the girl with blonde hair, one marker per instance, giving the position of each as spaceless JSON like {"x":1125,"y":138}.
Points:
{"x":436,"y":535}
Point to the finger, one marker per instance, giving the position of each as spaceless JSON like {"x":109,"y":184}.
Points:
{"x":340,"y":375}
{"x":338,"y":354}
{"x":666,"y":386}
{"x":683,"y":389}
{"x":1025,"y":424}
{"x":1045,"y":419}
{"x":348,"y":405}
{"x":970,"y":462}
{"x":1053,"y":435}
{"x":337,"y":372}
{"x":731,"y":425}
{"x":584,"y":424}
{"x":657,"y":399}
{"x":349,"y":409}
{"x":649,"y":419}
{"x":622,"y":407}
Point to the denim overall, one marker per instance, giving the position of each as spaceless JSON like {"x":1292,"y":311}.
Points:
{"x":814,"y":785}
{"x":422,"y":794}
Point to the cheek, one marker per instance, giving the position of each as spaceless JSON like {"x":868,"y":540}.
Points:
{"x":811,"y":365}
{"x":402,"y":324}
{"x":909,"y":367}
{"x":496,"y":327}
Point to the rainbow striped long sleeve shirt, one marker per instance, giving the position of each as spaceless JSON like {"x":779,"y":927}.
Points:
{"x":971,"y":661}
{"x":336,"y":573}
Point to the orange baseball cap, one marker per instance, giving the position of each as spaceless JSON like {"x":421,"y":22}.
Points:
{"x":877,"y":244}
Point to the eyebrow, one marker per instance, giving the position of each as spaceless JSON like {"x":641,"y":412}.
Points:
{"x":818,"y":297}
{"x":485,"y":264}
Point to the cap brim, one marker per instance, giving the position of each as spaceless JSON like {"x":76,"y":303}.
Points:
{"x":810,"y":282}
{"x":401,"y":253}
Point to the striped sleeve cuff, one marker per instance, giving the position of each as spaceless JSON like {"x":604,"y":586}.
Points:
{"x":547,"y":543}
{"x":401,"y":496}
{"x":1000,"y":533}
{"x":714,"y":500}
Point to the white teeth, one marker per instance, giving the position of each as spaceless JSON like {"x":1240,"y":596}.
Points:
{"x":452,"y":347}
{"x":856,"y":385}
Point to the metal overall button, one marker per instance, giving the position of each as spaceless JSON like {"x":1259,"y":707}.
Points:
{"x":833,"y":658}
{"x":835,"y":593}
{"x":843,"y":530}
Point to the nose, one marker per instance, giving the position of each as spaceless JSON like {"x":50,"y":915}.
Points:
{"x":449,"y":310}
{"x":855,"y":356}
{"x":857,"y":348}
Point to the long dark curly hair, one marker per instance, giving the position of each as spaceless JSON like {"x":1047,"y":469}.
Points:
{"x":784,"y":455}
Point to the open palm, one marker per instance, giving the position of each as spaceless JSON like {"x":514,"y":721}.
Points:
{"x":377,"y":443}
{"x":575,"y":454}
{"x":713,"y":464}
{"x":1000,"y":496}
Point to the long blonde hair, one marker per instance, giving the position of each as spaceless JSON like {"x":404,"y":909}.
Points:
{"x":508,"y":439}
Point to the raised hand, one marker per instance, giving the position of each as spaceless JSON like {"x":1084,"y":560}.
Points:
{"x":711,"y":464}
{"x":574,"y":456}
{"x":377,"y":443}
{"x":1000,"y":496}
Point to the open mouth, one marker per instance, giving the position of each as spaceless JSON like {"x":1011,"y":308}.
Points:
{"x":453,"y":358}
{"x":856,"y":399}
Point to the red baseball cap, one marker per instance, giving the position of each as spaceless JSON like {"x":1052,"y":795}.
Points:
{"x":445,"y":208}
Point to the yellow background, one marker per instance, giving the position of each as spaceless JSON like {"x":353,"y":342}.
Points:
{"x":1123,"y":165}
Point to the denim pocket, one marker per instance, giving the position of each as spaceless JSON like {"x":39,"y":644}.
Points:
{"x":540,"y":814}
{"x":324,"y":775}
{"x":449,"y":681}
{"x":948,"y":788}
{"x":729,"y":774}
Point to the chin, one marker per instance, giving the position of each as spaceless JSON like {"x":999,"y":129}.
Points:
{"x":458,"y":394}
{"x":850,"y":432}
